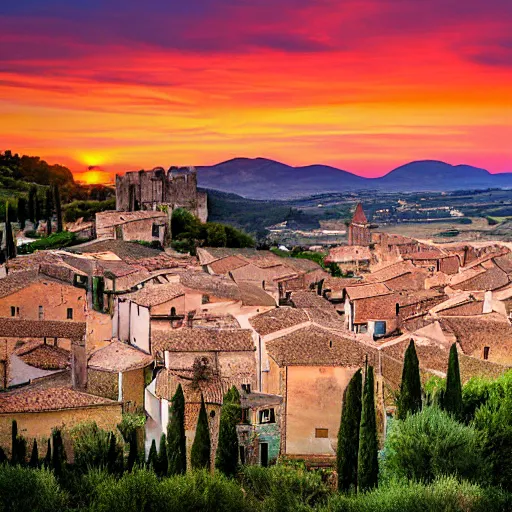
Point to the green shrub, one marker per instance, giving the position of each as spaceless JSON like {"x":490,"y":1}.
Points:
{"x":430,"y":444}
{"x":90,"y":446}
{"x":54,"y":241}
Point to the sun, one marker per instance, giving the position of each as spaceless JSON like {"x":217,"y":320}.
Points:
{"x":93,"y":177}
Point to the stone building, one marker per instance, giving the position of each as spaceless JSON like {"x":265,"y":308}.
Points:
{"x":359,"y":228}
{"x":175,"y":188}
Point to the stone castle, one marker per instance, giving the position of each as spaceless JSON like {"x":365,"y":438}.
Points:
{"x":175,"y":188}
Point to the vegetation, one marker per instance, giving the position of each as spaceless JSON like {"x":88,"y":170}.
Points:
{"x":10,"y":246}
{"x":176,"y":440}
{"x":201,"y":447}
{"x":348,"y":435}
{"x":409,"y":401}
{"x":86,"y":209}
{"x":227,"y":450}
{"x":452,"y":401}
{"x":53,"y":241}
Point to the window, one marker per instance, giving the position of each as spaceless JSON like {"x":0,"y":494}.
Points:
{"x":70,"y":314}
{"x":321,"y":433}
{"x":13,"y":311}
{"x":41,"y":313}
{"x":486,"y":353}
{"x":267,"y":416}
{"x":397,"y":309}
{"x":380,"y":328}
{"x":246,"y":388}
{"x":330,"y":343}
{"x":205,"y":299}
{"x":173,"y":311}
{"x":155,"y":232}
{"x":212,"y":414}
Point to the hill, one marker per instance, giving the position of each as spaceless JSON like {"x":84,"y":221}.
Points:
{"x":260,"y":178}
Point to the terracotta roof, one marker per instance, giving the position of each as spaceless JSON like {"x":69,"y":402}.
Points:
{"x":154,"y":294}
{"x":491,"y":279}
{"x":114,"y":218}
{"x":115,"y":268}
{"x":208,"y":254}
{"x":253,"y":295}
{"x":41,"y":328}
{"x":51,"y":399}
{"x":200,"y":339}
{"x":315,"y":346}
{"x":415,"y":296}
{"x":45,"y":357}
{"x":224,"y":265}
{"x":30,"y":261}
{"x":380,"y":307}
{"x":119,"y":357}
{"x":252,"y":272}
{"x":432,"y":254}
{"x":218,"y":286}
{"x":324,"y":317}
{"x":504,"y":262}
{"x":348,"y":253}
{"x":278,"y":319}
{"x":15,"y":282}
{"x":309,"y":299}
{"x":301,"y":264}
{"x":337,"y":284}
{"x":390,"y":272}
{"x":120,"y":248}
{"x":359,"y":216}
{"x":255,"y":400}
{"x":366,"y":291}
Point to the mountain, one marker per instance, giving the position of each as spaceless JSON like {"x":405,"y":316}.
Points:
{"x":260,"y":178}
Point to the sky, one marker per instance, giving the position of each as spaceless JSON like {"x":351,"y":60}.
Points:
{"x":363,"y":85}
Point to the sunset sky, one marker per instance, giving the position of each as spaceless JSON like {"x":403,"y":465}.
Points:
{"x":364,"y":85}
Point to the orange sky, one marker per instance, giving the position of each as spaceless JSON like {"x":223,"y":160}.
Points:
{"x":365,"y":87}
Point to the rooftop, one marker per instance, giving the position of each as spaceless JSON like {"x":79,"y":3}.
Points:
{"x":114,"y":218}
{"x":13,"y":328}
{"x":45,"y":357}
{"x":123,"y":250}
{"x":278,"y":319}
{"x":119,"y":357}
{"x":310,"y":299}
{"x":155,"y":294}
{"x":367,"y":290}
{"x":218,"y":286}
{"x":359,"y":216}
{"x":253,"y":295}
{"x":15,"y":282}
{"x":348,"y":253}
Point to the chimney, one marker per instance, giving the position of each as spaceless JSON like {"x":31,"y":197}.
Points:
{"x":78,"y":364}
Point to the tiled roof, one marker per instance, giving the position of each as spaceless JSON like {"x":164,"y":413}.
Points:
{"x":337,"y":284}
{"x":309,"y":299}
{"x":208,"y":254}
{"x":390,"y":272}
{"x":414,"y":297}
{"x":301,"y":264}
{"x":347,"y":253}
{"x":253,"y":295}
{"x":45,"y":357}
{"x":432,"y":254}
{"x":315,"y":346}
{"x":491,"y":279}
{"x":200,"y":339}
{"x":41,"y":328}
{"x":51,"y":399}
{"x":278,"y":319}
{"x":115,"y":268}
{"x":359,"y":216}
{"x":218,"y":286}
{"x":366,"y":290}
{"x":381,"y":307}
{"x":251,"y":272}
{"x":154,"y":294}
{"x":120,"y":248}
{"x":119,"y":357}
{"x":324,"y":317}
{"x":114,"y":218}
{"x":15,"y":282}
{"x":30,"y":261}
{"x":504,"y":262}
{"x":224,"y":265}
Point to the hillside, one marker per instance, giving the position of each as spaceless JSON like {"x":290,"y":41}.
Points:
{"x":260,"y":178}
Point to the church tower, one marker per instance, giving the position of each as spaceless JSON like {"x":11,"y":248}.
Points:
{"x":359,"y":228}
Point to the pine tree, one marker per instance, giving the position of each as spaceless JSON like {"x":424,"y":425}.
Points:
{"x":58,"y":209}
{"x":368,"y":465}
{"x":112,"y":453}
{"x":409,"y":400}
{"x":200,"y":453}
{"x":176,"y":440}
{"x":32,"y":197}
{"x":10,"y":247}
{"x":348,"y":434}
{"x":133,"y":450}
{"x":162,"y":461}
{"x":152,"y":461}
{"x":48,"y":457}
{"x":226,"y":459}
{"x":22,"y":212}
{"x":452,"y":400}
{"x":48,"y":211}
{"x":34,"y":457}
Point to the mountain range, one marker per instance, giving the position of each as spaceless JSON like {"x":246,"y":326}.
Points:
{"x":261,"y":178}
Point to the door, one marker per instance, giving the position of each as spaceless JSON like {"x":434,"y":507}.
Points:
{"x":264,"y":454}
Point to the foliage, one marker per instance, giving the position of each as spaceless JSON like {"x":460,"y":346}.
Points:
{"x":152,"y":457}
{"x":176,"y":440}
{"x":54,"y":241}
{"x":86,"y":209}
{"x":58,"y":453}
{"x":34,"y":456}
{"x":367,"y":464}
{"x":22,"y":211}
{"x":32,"y":198}
{"x":10,"y":246}
{"x":29,"y":490}
{"x":430,"y":444}
{"x":227,"y":450}
{"x":409,"y":401}
{"x":129,"y":423}
{"x":162,"y":459}
{"x":48,"y":209}
{"x":434,"y":390}
{"x":133,"y":450}
{"x":47,"y":462}
{"x":57,"y":206}
{"x":452,"y":400}
{"x":201,"y":447}
{"x":18,"y":446}
{"x":348,"y":434}
{"x":91,"y":446}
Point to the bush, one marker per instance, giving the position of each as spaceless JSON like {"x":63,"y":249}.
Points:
{"x":29,"y":490}
{"x":91,"y":446}
{"x":54,"y":241}
{"x":430,"y":444}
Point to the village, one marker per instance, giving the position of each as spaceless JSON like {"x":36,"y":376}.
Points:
{"x":113,"y":327}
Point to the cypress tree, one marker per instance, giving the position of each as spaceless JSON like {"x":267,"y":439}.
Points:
{"x":368,"y":465}
{"x":14,"y":443}
{"x":37,"y":209}
{"x":452,"y":400}
{"x":162,"y":461}
{"x":32,"y":195}
{"x":3,"y":457}
{"x":48,"y":211}
{"x":34,"y":457}
{"x":348,"y":434}
{"x":10,"y":247}
{"x":409,"y":401}
{"x":112,"y":453}
{"x":22,"y":212}
{"x":58,"y":454}
{"x":226,"y":459}
{"x":58,"y":209}
{"x":132,"y":454}
{"x":176,"y":440}
{"x":48,"y":457}
{"x":152,"y":461}
{"x":200,"y":454}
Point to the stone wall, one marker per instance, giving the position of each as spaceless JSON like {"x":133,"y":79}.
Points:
{"x":133,"y":388}
{"x":101,"y":383}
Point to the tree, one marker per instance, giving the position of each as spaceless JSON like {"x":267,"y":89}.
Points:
{"x":367,"y":464}
{"x":215,"y":235}
{"x":226,"y":459}
{"x":112,"y":453}
{"x":200,"y":453}
{"x":348,"y":434}
{"x":48,"y":457}
{"x":452,"y":400}
{"x":409,"y":400}
{"x":58,"y":209}
{"x":32,"y":198}
{"x":14,"y":443}
{"x":58,"y":453}
{"x":176,"y":440}
{"x":10,"y":247}
{"x":48,"y":211}
{"x":152,"y":457}
{"x":162,"y":461}
{"x":37,"y":209}
{"x":133,"y":451}
{"x":22,"y":212}
{"x":34,"y":457}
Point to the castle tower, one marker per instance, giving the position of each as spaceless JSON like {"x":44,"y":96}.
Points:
{"x":359,"y":228}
